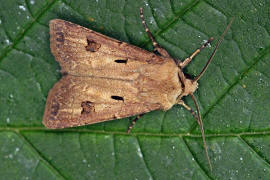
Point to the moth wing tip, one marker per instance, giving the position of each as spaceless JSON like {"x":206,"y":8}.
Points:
{"x":56,"y":25}
{"x":54,"y":21}
{"x":46,"y":123}
{"x":55,"y":124}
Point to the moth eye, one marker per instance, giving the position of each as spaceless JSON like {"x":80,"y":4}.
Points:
{"x":118,"y":98}
{"x":92,"y":46}
{"x":87,"y":107}
{"x":121,"y":61}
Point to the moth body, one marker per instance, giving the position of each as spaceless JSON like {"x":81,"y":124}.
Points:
{"x":106,"y":79}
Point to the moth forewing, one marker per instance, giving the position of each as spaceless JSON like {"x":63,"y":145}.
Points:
{"x":105,"y":78}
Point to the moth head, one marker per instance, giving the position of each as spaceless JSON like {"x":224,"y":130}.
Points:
{"x":190,"y":85}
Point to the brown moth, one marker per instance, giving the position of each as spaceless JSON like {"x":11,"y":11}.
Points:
{"x":105,"y":79}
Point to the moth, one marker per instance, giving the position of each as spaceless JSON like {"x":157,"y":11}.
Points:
{"x":105,"y":79}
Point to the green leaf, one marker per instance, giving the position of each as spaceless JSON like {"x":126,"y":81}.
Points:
{"x":233,"y":95}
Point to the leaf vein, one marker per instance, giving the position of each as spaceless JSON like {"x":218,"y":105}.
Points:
{"x":254,"y":151}
{"x":41,"y":157}
{"x":145,"y":163}
{"x":26,"y":29}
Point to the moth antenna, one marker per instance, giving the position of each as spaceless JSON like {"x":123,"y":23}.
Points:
{"x":189,"y":59}
{"x":156,"y":46}
{"x":202,"y":130}
{"x":214,"y":52}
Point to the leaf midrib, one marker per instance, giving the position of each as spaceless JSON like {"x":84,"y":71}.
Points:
{"x":194,"y":135}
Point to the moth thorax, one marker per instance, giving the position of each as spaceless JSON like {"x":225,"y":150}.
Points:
{"x":190,"y":87}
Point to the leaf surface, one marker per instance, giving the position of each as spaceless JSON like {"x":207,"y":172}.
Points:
{"x":233,"y":94}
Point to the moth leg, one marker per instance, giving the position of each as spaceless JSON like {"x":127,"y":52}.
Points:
{"x":188,"y":60}
{"x":133,"y":123}
{"x":157,"y":47}
{"x":181,"y":102}
{"x":198,"y":117}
